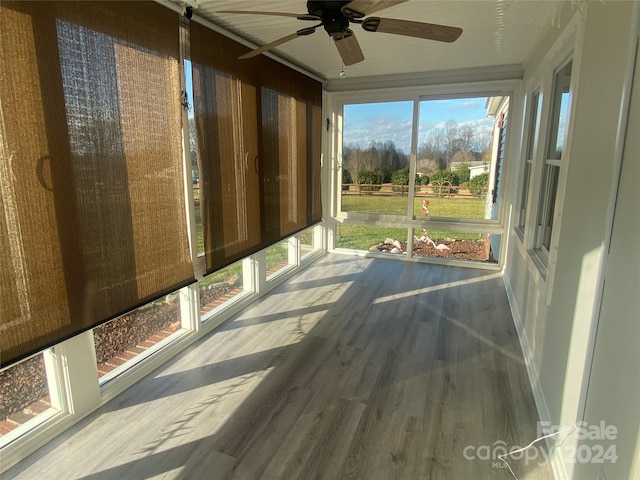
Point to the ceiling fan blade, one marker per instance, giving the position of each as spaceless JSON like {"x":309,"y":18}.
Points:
{"x":275,"y":43}
{"x":349,"y":49}
{"x":430,"y":31}
{"x":361,"y":8}
{"x":299,"y":16}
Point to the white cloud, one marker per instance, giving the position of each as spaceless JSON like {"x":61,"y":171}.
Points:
{"x":378,"y":129}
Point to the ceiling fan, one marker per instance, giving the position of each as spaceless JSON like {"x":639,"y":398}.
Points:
{"x":336,"y":16}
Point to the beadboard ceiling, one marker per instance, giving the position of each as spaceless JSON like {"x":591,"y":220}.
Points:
{"x":496,"y":33}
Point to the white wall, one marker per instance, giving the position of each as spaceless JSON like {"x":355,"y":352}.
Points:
{"x":556,"y":310}
{"x":614,"y":387}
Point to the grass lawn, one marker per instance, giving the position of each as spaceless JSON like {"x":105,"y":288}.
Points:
{"x":362,"y":237}
{"x":438,"y":207}
{"x":199,"y":234}
{"x":277,"y":254}
{"x":222,"y":275}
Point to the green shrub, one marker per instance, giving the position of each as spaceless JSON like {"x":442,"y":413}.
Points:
{"x":370,"y":180}
{"x":463,"y":172}
{"x":442,"y":176}
{"x":422,"y":179}
{"x":481,"y":180}
{"x":447,"y":175}
{"x":346,"y":178}
{"x":400,"y":177}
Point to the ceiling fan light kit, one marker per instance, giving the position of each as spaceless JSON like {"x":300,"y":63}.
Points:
{"x":336,"y":16}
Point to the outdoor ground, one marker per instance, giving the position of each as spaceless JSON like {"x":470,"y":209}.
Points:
{"x":476,"y":250}
{"x":466,"y":246}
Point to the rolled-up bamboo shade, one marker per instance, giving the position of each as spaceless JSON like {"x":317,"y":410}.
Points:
{"x":92,"y":216}
{"x":258,"y":126}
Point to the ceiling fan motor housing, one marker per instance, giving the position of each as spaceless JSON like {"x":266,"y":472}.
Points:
{"x":334,"y":21}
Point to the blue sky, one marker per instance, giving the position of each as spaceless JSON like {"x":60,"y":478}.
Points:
{"x":364,"y":123}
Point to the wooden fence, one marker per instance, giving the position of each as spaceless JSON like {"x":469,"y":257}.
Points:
{"x":387,"y":189}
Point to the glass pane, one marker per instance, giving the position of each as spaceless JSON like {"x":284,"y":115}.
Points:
{"x":220,"y":287}
{"x":361,"y":237}
{"x":198,"y":212}
{"x":124,"y":338}
{"x":454,"y":160}
{"x":375,"y":160}
{"x":195,"y":172}
{"x":534,"y":123}
{"x":451,"y":201}
{"x":525,"y":193}
{"x":277,"y":257}
{"x":560,"y":112}
{"x":24,"y":393}
{"x":477,"y":247}
{"x":552,"y":173}
{"x":306,"y":241}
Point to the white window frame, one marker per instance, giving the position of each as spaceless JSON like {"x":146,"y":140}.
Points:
{"x":336,"y":102}
{"x":550,"y":189}
{"x":531,"y":130}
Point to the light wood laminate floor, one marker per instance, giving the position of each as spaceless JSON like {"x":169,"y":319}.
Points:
{"x":356,"y":368}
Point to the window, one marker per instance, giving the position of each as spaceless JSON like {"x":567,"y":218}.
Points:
{"x":368,"y":237}
{"x":531,"y":141}
{"x":376,"y":146}
{"x":558,"y":124}
{"x":307,"y":242}
{"x":219,"y":288}
{"x":119,"y":342}
{"x":476,"y":247}
{"x":25,"y":395}
{"x":454,"y":158}
{"x":280,"y":257}
{"x":457,"y":159}
{"x":449,"y":181}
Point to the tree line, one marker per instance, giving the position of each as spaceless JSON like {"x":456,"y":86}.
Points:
{"x":442,"y":146}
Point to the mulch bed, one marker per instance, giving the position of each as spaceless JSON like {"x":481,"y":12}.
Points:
{"x":116,"y":336}
{"x":209,"y":295}
{"x":22,"y":385}
{"x":458,"y":249}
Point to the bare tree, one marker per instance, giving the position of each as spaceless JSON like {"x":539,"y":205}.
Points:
{"x":466,"y":134}
{"x":427,"y":165}
{"x":433,"y":150}
{"x":451,"y":139}
{"x":482,"y":143}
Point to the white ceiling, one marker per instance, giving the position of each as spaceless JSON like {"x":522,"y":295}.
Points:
{"x":496,"y":33}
